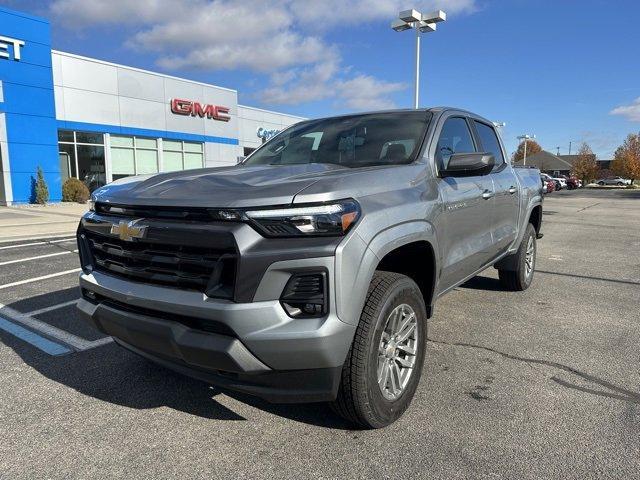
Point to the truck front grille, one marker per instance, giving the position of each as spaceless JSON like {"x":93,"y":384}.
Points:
{"x":207,"y":270}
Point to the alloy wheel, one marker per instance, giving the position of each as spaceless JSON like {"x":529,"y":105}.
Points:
{"x":397,"y":351}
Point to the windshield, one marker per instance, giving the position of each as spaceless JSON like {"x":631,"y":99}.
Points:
{"x":353,"y":141}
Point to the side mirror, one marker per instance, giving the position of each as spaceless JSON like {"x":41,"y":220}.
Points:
{"x":468,"y":165}
{"x":240,"y":159}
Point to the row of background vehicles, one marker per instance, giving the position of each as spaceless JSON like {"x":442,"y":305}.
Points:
{"x":559,"y":183}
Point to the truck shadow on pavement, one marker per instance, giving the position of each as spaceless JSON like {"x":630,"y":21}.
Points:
{"x":483,"y":283}
{"x":112,"y":374}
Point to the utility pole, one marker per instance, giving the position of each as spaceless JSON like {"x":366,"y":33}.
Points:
{"x":569,"y":148}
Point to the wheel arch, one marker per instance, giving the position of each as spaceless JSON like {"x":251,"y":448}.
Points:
{"x":409,"y":249}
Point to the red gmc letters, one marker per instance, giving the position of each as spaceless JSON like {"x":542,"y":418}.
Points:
{"x":189,"y":107}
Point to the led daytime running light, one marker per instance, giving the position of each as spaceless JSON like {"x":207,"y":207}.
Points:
{"x":290,"y":212}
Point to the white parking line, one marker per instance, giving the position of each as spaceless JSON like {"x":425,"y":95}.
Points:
{"x":50,"y":309}
{"x":37,"y":279}
{"x":66,"y":252}
{"x":38,"y":243}
{"x":77,"y":343}
{"x":40,"y":223}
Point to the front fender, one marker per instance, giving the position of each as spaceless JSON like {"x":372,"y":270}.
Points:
{"x":356,"y":262}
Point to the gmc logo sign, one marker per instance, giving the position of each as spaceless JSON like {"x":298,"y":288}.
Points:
{"x":188,"y":107}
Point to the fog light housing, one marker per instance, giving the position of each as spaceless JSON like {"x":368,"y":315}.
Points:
{"x":306,"y":295}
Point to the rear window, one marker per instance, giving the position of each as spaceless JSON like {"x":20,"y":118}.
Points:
{"x":489,"y":141}
{"x":393,"y":138}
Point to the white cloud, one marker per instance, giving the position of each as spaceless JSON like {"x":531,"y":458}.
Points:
{"x":368,"y":93}
{"x":329,"y":13}
{"x":327,"y":80}
{"x":284,"y":38}
{"x":630,"y":112}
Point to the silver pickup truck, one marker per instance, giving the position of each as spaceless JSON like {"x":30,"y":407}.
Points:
{"x":309,"y":271}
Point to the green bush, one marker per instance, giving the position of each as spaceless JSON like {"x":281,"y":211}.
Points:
{"x":73,"y":190}
{"x":41,"y":189}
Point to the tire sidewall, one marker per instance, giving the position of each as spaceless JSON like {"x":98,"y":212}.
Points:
{"x":386,"y":411}
{"x":522,"y":270}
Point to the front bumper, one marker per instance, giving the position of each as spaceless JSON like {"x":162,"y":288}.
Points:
{"x":250,"y":347}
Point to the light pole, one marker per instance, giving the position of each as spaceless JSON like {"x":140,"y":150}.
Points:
{"x":525,"y":138}
{"x":408,"y":19}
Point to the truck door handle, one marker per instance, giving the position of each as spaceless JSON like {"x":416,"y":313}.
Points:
{"x":512,"y":190}
{"x":487,"y":194}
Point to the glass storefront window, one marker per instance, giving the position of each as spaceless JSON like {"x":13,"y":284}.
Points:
{"x":122,"y":162}
{"x":146,"y":162}
{"x":182,"y":155}
{"x":82,"y":156}
{"x":120,"y":141}
{"x":172,"y":145}
{"x":68,"y":151}
{"x":192,"y":160}
{"x":151,"y":143}
{"x":91,"y":165}
{"x":172,"y":161}
{"x":133,"y":156}
{"x":192,"y":147}
{"x":65,"y":136}
{"x":88,"y":137}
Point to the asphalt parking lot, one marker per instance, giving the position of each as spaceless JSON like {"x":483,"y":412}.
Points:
{"x":537,"y":384}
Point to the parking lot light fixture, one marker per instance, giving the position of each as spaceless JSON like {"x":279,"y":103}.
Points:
{"x":408,"y":19}
{"x":524,"y":138}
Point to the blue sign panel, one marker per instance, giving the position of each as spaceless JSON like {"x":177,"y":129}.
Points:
{"x":28,"y":106}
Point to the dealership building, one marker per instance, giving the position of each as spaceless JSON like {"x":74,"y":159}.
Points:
{"x":80,"y":117}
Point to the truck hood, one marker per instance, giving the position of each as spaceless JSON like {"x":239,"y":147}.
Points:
{"x":227,"y":187}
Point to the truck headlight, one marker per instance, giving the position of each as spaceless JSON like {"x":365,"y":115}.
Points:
{"x":329,"y":219}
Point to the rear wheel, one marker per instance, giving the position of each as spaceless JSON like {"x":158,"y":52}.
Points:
{"x":601,"y":183}
{"x":525,"y":262}
{"x":383,"y":367}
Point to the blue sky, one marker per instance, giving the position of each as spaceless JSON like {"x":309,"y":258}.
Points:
{"x":563,"y":70}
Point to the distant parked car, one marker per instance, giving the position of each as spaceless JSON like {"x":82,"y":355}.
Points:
{"x":548,"y":183}
{"x":551,"y":185}
{"x":573,"y":183}
{"x":560,"y":183}
{"x":614,"y":181}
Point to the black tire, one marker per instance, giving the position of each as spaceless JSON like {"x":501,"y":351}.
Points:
{"x":520,"y":279}
{"x":601,"y":183}
{"x":619,"y":184}
{"x":360,"y":399}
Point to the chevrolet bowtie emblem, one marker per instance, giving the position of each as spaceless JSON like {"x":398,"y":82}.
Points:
{"x":128,"y":230}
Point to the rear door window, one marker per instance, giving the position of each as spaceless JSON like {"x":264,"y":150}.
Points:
{"x":490,"y":142}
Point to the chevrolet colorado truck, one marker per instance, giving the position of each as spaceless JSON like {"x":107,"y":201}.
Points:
{"x":308,"y":272}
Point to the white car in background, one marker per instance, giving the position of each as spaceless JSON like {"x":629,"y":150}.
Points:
{"x":614,"y":181}
{"x":561,"y":183}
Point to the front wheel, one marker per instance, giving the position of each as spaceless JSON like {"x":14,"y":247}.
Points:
{"x":525,"y":262}
{"x":383,"y":366}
